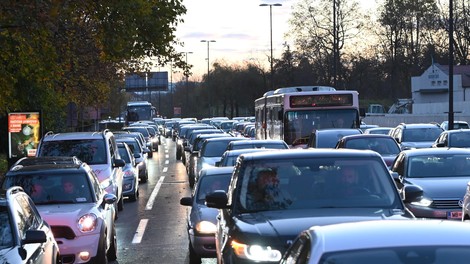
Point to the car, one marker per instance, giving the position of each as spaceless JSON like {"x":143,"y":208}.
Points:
{"x":211,"y":152}
{"x":327,"y":138}
{"x":256,"y":225}
{"x":418,"y":135}
{"x":193,"y":153}
{"x":70,"y":198}
{"x":140,"y":156}
{"x":98,"y":149}
{"x":147,"y":136}
{"x":392,"y":241}
{"x":130,"y":185}
{"x":229,"y":158}
{"x":258,"y":143}
{"x":378,"y":130}
{"x":26,"y":237}
{"x":183,"y":137}
{"x":385,"y":145}
{"x":457,"y":125}
{"x":441,"y":173}
{"x":201,"y":220}
{"x":459,"y":138}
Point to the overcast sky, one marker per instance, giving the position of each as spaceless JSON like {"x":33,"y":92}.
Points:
{"x":240,"y":28}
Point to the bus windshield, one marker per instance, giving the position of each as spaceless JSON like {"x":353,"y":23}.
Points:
{"x":298,"y":125}
{"x":137,"y":113}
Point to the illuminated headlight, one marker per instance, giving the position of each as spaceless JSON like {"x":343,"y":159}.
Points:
{"x":423,"y":202}
{"x":87,"y":223}
{"x":205,"y":227}
{"x":256,"y":252}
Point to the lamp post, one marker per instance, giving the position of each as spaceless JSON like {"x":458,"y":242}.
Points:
{"x":271,"y":37}
{"x":208,"y":63}
{"x":187,"y":84}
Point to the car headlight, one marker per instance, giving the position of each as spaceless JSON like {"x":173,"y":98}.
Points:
{"x":205,"y":227}
{"x":106,"y":183}
{"x":256,"y":252}
{"x":87,"y":223}
{"x":423,"y":202}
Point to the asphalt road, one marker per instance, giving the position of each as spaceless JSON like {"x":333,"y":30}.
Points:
{"x":153,"y":229}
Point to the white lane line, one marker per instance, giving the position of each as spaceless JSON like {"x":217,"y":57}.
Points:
{"x":166,"y":150}
{"x":154,"y":194}
{"x":167,"y":156}
{"x":165,"y":169}
{"x":167,"y":162}
{"x":139,"y":233}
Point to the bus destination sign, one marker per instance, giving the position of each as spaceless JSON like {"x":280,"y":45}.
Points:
{"x":321,"y":100}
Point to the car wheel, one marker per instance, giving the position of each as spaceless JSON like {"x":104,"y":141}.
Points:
{"x":121,"y":203}
{"x":112,"y":251}
{"x":145,"y":178}
{"x":133,"y":197}
{"x":178,"y":155}
{"x":193,"y":257}
{"x":191,"y":181}
{"x":150,"y":154}
{"x":101,"y":254}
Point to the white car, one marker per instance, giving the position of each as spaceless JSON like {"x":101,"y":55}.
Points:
{"x":379,"y":241}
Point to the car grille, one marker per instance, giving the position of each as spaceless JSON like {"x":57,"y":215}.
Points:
{"x":63,"y":232}
{"x":446,"y":204}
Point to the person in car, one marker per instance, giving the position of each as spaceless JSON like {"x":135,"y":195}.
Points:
{"x":266,"y":193}
{"x":37,"y":192}
{"x":349,"y":184}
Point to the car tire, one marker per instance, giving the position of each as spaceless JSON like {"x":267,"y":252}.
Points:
{"x":193,"y":257}
{"x":112,"y":251}
{"x":150,"y":155}
{"x":145,"y":178}
{"x":120,"y":205}
{"x":178,"y":155}
{"x":133,"y":197}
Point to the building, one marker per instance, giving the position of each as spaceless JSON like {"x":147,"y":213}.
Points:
{"x":430,"y":91}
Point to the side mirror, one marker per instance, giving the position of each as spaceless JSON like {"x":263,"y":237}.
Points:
{"x":217,"y":199}
{"x":412,"y":193}
{"x":119,"y":163}
{"x":217,"y":163}
{"x":137,"y":155}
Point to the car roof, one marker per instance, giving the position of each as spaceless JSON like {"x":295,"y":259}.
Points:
{"x":336,"y":130}
{"x":433,"y":151}
{"x":401,"y":233}
{"x":27,"y":161}
{"x":238,"y":152}
{"x":420,"y":125}
{"x":209,"y":171}
{"x":73,"y":136}
{"x":311,"y":153}
{"x":51,"y":168}
{"x":226,"y":138}
{"x":367,"y":136}
{"x":258,"y":141}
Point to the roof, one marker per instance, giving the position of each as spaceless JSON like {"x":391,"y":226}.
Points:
{"x":311,"y":153}
{"x":434,"y":151}
{"x":74,"y":135}
{"x":216,"y":170}
{"x":463,"y":70}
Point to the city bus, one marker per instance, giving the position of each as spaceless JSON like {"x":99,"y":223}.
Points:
{"x":139,"y":110}
{"x":292,"y":113}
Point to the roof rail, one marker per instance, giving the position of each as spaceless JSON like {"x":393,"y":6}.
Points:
{"x":14,"y":190}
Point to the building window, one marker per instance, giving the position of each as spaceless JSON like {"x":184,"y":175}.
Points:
{"x":445,"y":82}
{"x":439,"y":83}
{"x":433,"y":83}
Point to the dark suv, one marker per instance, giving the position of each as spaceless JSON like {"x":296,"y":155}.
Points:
{"x":274,"y":195}
{"x":413,"y":136}
{"x":25,"y":236}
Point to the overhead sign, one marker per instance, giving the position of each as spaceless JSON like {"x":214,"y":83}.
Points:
{"x":150,"y":81}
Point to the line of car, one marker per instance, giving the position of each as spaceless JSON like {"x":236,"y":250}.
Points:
{"x":76,"y":183}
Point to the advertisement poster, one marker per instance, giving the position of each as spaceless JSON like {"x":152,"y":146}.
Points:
{"x":23,"y":134}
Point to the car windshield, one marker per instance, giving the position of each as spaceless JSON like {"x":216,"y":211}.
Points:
{"x":410,"y":254}
{"x":6,"y":237}
{"x":421,"y":134}
{"x":459,"y":140}
{"x":328,"y":139}
{"x":124,"y":154}
{"x":91,"y":151}
{"x":316,"y":183}
{"x":210,"y":184}
{"x":142,"y":130}
{"x":445,"y":165}
{"x":53,"y":188}
{"x":214,"y":148}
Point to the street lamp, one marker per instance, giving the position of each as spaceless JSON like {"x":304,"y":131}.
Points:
{"x":208,"y":63}
{"x":187,"y":83}
{"x":271,"y":36}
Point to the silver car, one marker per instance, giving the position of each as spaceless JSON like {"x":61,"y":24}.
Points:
{"x":391,"y":241}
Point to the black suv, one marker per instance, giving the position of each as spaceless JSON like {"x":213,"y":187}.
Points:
{"x":25,"y":236}
{"x":274,"y":195}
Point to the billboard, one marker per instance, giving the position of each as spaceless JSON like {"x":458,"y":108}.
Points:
{"x":24,"y":132}
{"x":150,"y":81}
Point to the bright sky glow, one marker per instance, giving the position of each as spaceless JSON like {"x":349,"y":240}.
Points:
{"x":240,"y":28}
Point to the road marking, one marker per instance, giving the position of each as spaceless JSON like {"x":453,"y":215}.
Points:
{"x":154,"y":194}
{"x":167,"y":162}
{"x":166,"y":150}
{"x":165,"y":169}
{"x":139,"y":233}
{"x":167,"y":156}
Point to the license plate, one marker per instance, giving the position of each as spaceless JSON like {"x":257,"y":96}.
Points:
{"x":454,"y":215}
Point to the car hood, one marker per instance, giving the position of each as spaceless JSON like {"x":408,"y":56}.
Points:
{"x":203,"y":213}
{"x":103,"y":171}
{"x":65,"y":214}
{"x":442,"y":187}
{"x":281,"y":227}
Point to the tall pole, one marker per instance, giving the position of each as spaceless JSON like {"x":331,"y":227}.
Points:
{"x":187,"y":85}
{"x":208,"y":71}
{"x":451,"y":67}
{"x":335,"y":35}
{"x":271,"y":38}
{"x":171,"y":89}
